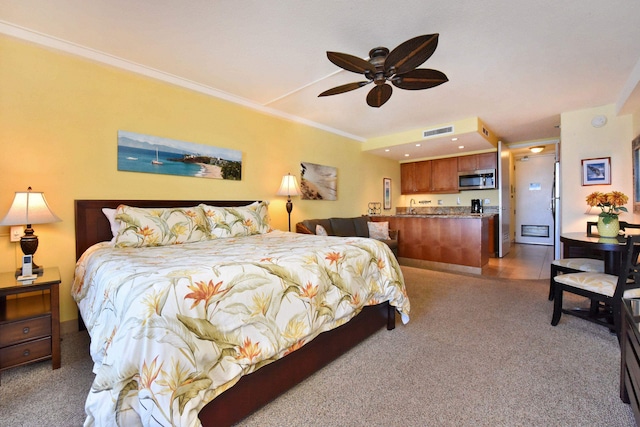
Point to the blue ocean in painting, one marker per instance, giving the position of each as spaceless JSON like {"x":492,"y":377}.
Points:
{"x":140,"y":160}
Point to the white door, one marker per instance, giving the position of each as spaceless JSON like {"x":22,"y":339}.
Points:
{"x":534,"y":195}
{"x":505,"y":199}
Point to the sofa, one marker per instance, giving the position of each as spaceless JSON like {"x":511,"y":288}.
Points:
{"x":349,"y":227}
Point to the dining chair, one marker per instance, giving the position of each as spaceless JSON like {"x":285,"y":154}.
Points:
{"x":574,"y":265}
{"x":624,"y":225}
{"x":606,"y":289}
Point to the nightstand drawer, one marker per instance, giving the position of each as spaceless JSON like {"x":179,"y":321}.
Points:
{"x":25,"y":352}
{"x":24,"y":330}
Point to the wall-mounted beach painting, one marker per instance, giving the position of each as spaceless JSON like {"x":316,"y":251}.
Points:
{"x":154,"y":154}
{"x":318,"y":182}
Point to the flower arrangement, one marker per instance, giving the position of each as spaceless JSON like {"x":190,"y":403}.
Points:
{"x":610,"y":203}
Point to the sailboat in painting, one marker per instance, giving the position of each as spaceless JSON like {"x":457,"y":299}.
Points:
{"x":156,"y":161}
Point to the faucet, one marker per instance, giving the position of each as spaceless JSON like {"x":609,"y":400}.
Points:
{"x":411,"y":209}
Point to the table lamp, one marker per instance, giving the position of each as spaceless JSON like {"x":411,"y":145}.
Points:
{"x":289,"y":187}
{"x":29,"y":208}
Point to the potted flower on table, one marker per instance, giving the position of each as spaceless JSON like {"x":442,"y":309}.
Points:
{"x":611,"y":206}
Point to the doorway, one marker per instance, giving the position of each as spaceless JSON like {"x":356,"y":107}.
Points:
{"x":534,"y":178}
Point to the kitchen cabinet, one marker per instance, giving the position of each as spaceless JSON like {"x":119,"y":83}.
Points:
{"x":477,"y":162}
{"x":441,"y":175}
{"x":429,"y":176}
{"x":444,"y":175}
{"x":415,"y":177}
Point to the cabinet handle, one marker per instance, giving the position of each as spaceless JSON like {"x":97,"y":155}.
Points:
{"x":25,"y":330}
{"x":26,"y":353}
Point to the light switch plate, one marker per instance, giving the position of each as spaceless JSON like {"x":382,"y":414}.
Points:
{"x":15,"y":233}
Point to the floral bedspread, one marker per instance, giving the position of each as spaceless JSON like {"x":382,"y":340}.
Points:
{"x":174,"y":326}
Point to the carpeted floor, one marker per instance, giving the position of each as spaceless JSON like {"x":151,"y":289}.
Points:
{"x":477,"y":352}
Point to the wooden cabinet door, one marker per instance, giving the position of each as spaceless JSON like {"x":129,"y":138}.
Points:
{"x":477,"y":162}
{"x":422,"y":176}
{"x":444,"y":174}
{"x":407,"y":178}
{"x":467,"y":163}
{"x":487,"y":161}
{"x":415,"y":177}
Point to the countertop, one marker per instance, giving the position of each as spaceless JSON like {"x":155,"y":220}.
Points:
{"x":449,"y":215}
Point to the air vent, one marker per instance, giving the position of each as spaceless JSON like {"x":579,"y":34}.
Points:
{"x":437,"y":132}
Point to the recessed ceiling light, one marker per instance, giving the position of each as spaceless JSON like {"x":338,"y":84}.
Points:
{"x":406,"y":155}
{"x":386,"y":150}
{"x":454,"y":139}
{"x":461,"y":146}
{"x":417,"y":145}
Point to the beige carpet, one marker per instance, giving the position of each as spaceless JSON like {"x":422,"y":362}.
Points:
{"x":477,"y":352}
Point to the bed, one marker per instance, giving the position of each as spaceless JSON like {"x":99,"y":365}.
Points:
{"x":216,"y":394}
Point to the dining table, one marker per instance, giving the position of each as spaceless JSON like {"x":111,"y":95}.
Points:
{"x":609,"y":248}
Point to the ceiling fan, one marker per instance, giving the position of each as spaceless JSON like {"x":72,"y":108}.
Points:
{"x":397,"y":67}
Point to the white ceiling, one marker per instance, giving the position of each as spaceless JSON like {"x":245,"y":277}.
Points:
{"x":516,"y":65}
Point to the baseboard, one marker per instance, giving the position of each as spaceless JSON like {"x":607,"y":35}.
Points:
{"x":440,"y":266}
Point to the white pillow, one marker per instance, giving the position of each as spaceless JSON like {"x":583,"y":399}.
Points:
{"x":320,"y":231}
{"x":115,"y":225}
{"x":379,"y":230}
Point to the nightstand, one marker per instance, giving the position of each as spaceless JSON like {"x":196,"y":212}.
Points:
{"x":30,"y":324}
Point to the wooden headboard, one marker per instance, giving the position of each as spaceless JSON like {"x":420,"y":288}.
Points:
{"x":93,"y":227}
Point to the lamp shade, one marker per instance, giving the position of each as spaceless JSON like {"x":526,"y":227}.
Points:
{"x":29,"y":208}
{"x":289,"y":186}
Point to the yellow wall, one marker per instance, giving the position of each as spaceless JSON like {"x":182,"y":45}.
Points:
{"x":59,"y":118}
{"x":580,"y":140}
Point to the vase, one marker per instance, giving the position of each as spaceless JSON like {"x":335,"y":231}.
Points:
{"x":608,"y":230}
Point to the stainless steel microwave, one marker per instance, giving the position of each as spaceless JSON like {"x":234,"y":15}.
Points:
{"x":477,"y":180}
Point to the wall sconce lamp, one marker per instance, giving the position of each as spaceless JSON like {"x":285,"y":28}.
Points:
{"x":536,"y":150}
{"x":29,"y":208}
{"x":289,"y":187}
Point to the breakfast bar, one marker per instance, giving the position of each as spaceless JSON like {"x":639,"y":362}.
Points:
{"x":455,"y":242}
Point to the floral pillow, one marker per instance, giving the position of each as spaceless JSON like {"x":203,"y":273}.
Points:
{"x":141,"y":227}
{"x":238,"y":221}
{"x":379,"y":230}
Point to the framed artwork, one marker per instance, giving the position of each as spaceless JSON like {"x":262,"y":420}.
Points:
{"x":318,"y":182}
{"x":386,"y":193}
{"x":154,"y":154}
{"x":596,"y":171}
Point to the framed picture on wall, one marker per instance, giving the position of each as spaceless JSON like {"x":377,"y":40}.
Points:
{"x":596,"y":171}
{"x":386,"y":193}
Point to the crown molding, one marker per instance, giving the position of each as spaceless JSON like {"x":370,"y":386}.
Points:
{"x":114,"y":61}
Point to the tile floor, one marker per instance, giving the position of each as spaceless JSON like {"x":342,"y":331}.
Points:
{"x":522,"y":262}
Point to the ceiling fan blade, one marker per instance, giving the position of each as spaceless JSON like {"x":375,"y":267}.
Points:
{"x":422,"y":78}
{"x":350,"y":62}
{"x":379,"y":95}
{"x":410,"y":54}
{"x":344,"y":88}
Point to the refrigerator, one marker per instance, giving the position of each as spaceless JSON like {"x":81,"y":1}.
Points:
{"x":555,"y":209}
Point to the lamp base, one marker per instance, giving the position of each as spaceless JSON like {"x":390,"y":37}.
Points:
{"x":29,"y":246}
